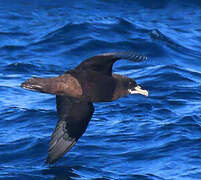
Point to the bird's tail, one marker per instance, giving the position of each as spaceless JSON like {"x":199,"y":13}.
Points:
{"x":62,"y":85}
{"x":45,"y":85}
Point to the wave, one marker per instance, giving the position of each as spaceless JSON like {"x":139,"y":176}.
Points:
{"x":156,"y":34}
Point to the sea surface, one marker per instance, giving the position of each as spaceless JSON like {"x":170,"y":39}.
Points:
{"x":134,"y":138}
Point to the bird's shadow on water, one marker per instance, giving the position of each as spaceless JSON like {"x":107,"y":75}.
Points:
{"x":61,"y":172}
{"x":66,"y":172}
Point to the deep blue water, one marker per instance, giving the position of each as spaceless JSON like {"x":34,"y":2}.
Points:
{"x":141,"y":138}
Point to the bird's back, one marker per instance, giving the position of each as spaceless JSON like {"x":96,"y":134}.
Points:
{"x":95,"y":86}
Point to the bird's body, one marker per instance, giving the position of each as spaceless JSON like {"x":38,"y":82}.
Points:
{"x":76,"y":90}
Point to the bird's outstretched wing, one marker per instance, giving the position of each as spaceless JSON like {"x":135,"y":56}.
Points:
{"x":74,"y":116}
{"x":103,"y":63}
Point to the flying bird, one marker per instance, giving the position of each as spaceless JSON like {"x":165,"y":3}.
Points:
{"x":76,"y":90}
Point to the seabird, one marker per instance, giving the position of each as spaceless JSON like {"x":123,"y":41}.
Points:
{"x":76,"y":90}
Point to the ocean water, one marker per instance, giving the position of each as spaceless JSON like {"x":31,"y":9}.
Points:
{"x":134,"y":138}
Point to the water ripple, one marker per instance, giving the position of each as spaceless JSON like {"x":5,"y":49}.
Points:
{"x":135,"y":137}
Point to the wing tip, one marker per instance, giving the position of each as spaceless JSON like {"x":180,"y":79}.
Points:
{"x":131,"y":56}
{"x":50,"y":160}
{"x":126,"y":55}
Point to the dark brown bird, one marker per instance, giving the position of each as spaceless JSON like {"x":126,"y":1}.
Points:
{"x":76,"y":89}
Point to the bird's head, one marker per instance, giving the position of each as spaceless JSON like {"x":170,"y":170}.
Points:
{"x":134,"y":88}
{"x":127,"y":86}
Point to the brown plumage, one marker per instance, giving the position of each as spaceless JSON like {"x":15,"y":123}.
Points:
{"x":75,"y":90}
